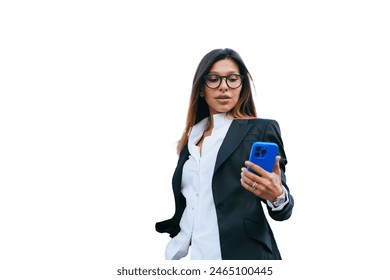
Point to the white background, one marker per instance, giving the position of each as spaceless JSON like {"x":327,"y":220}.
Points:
{"x":93,"y":97}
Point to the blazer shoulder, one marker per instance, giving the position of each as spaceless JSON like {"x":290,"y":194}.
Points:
{"x":268,"y":129}
{"x":260,"y":125}
{"x":265,"y":124}
{"x":261,"y":121}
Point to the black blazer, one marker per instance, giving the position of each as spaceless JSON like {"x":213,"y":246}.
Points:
{"x":244,"y":232}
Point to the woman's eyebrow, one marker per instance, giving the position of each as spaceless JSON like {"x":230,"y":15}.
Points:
{"x":230,"y":72}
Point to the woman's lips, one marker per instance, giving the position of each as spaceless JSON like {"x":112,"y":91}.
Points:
{"x":222,"y":97}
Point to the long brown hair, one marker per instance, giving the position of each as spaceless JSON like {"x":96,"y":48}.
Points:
{"x":198,"y":108}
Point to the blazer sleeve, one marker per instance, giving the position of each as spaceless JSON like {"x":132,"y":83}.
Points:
{"x":272,"y":133}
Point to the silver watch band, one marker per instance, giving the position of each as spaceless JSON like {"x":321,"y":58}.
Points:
{"x":280,"y":199}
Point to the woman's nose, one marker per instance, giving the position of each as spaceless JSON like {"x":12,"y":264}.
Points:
{"x":223,"y":84}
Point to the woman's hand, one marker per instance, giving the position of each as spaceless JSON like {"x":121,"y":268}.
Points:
{"x":267,"y":186}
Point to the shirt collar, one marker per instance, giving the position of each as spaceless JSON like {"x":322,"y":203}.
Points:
{"x":220,"y":120}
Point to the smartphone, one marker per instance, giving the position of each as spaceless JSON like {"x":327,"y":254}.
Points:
{"x":264,"y":154}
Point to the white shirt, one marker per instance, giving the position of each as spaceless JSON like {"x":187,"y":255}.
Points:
{"x":199,"y":224}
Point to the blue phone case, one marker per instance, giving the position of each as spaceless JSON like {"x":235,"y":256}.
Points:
{"x":264,"y":154}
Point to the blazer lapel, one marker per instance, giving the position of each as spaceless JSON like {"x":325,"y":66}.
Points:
{"x":236,"y":133}
{"x":179,"y":169}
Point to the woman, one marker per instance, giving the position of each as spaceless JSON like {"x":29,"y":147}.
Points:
{"x":218,"y":209}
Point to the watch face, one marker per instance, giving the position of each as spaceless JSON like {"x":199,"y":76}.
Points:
{"x":280,"y":199}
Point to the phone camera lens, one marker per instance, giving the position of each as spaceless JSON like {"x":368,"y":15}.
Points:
{"x":258,"y":148}
{"x":257,"y":154}
{"x":263,"y":152}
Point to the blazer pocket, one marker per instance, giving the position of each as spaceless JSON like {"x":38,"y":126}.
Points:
{"x":259,"y":233}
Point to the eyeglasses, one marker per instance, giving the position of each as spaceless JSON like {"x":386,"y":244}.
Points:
{"x":233,"y":81}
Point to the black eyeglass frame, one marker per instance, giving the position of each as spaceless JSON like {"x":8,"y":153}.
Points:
{"x":220,"y":80}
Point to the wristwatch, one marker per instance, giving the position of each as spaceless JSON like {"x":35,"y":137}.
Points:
{"x":280,"y":199}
